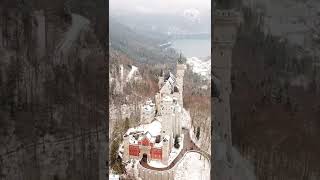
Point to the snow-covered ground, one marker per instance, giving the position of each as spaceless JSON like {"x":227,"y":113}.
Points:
{"x":132,"y":169}
{"x":201,"y":67}
{"x":114,"y":177}
{"x":192,"y":167}
{"x":157,"y":164}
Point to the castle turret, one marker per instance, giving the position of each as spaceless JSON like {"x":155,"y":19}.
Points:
{"x":167,"y":115}
{"x":180,"y":75}
{"x":166,"y":149}
{"x":225,"y":30}
{"x":178,"y":118}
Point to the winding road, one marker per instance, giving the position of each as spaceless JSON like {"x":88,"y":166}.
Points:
{"x":188,"y":145}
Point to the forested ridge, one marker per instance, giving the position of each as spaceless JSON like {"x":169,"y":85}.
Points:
{"x":53,"y":122}
{"x":274,"y":103}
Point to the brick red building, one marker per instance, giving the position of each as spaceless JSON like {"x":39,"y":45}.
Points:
{"x":146,"y":146}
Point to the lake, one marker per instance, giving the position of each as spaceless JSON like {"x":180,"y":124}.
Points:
{"x":193,"y":47}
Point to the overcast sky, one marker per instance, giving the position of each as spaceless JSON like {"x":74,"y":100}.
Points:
{"x":158,"y":6}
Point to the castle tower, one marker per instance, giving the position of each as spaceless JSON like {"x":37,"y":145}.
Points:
{"x":224,"y":36}
{"x":177,"y":121}
{"x":179,"y":78}
{"x":166,"y":150}
{"x":167,"y":116}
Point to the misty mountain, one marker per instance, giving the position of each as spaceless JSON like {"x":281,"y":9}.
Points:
{"x":188,"y":21}
{"x":140,"y":46}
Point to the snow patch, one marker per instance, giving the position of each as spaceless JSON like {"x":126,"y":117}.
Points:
{"x":192,"y":15}
{"x":157,"y":164}
{"x":114,"y":177}
{"x":131,"y":73}
{"x":201,"y":67}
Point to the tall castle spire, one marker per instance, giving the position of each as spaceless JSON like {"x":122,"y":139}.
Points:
{"x":180,"y":61}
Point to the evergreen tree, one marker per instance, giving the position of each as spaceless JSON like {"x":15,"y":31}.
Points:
{"x":126,"y":124}
{"x":198,"y":133}
{"x":115,"y":161}
{"x":176,"y":142}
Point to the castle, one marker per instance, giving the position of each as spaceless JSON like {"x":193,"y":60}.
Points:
{"x":154,"y":139}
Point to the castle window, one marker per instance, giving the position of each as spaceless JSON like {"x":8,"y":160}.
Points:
{"x":221,"y":53}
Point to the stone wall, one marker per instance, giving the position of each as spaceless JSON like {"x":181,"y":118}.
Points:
{"x":146,"y":174}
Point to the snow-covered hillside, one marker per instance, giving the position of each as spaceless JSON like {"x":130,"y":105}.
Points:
{"x":192,"y":15}
{"x":122,"y":75}
{"x":133,"y":70}
{"x":193,"y":167}
{"x":201,"y":67}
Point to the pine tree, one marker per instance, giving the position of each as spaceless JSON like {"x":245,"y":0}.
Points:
{"x":176,"y":142}
{"x":126,"y":124}
{"x":198,"y":133}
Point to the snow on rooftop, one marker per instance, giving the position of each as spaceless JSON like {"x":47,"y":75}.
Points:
{"x":167,"y":98}
{"x":167,"y":137}
{"x":154,"y":128}
{"x":158,"y":145}
{"x":148,"y":135}
{"x":192,"y":167}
